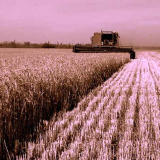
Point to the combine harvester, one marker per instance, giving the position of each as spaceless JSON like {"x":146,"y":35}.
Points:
{"x":103,"y":42}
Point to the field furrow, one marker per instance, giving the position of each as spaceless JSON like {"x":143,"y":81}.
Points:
{"x":154,"y":103}
{"x":126,"y":142}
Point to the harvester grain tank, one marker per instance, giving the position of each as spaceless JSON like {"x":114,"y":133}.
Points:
{"x":105,"y":41}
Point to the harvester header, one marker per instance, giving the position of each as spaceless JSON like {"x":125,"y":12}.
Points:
{"x":104,"y":41}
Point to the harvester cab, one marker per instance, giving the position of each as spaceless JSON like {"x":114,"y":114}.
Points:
{"x":105,"y":38}
{"x":105,"y":42}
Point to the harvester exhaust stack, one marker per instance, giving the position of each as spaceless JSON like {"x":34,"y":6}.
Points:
{"x":105,"y":41}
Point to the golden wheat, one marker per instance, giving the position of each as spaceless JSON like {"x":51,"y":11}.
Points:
{"x":36,"y":83}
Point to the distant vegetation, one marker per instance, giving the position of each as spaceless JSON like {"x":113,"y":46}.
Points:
{"x":14,"y":44}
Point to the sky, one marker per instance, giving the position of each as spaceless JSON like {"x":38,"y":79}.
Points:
{"x":75,"y":21}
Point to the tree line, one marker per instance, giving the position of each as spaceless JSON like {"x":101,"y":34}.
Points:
{"x":14,"y":44}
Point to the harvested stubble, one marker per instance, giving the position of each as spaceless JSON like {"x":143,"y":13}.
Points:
{"x":35,"y":84}
{"x":119,"y":120}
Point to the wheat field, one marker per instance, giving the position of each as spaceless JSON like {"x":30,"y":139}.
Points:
{"x":37,"y":84}
{"x":118,"y":120}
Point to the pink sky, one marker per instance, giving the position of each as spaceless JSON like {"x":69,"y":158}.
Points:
{"x":75,"y":21}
